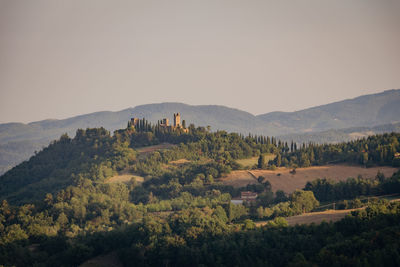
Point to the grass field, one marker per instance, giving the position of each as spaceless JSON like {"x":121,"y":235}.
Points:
{"x":238,"y":179}
{"x":315,"y":217}
{"x":124,"y":178}
{"x":143,"y":151}
{"x":282,"y":179}
{"x":248,"y":163}
{"x":318,"y":217}
{"x":179,"y":162}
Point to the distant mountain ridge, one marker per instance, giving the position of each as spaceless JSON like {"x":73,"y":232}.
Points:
{"x":366,"y":110}
{"x":18,"y":141}
{"x":340,"y":135}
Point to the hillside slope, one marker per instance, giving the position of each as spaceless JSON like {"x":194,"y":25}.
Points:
{"x":18,"y":141}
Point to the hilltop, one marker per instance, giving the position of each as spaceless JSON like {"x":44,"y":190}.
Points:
{"x":143,"y":149}
{"x":18,"y":141}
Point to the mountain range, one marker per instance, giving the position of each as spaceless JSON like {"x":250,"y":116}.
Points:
{"x":18,"y":141}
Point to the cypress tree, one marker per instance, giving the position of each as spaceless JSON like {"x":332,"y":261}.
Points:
{"x":261,"y":162}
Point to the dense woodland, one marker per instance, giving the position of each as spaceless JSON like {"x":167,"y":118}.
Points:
{"x":374,"y":150}
{"x":58,"y":210}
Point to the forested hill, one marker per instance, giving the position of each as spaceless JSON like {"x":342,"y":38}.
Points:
{"x":95,"y":154}
{"x":19,"y":141}
{"x":62,"y":207}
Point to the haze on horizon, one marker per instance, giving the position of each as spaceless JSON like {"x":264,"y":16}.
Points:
{"x":64,"y":58}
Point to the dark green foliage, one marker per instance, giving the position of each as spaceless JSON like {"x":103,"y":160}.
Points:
{"x":93,"y":154}
{"x":261,"y":162}
{"x":366,"y":238}
{"x":374,"y":150}
{"x":298,"y":202}
{"x":199,"y":237}
{"x":180,"y":215}
{"x":327,"y":190}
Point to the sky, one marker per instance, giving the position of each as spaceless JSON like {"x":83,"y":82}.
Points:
{"x":65,"y":58}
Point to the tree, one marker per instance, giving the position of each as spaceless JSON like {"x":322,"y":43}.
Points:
{"x":299,"y":261}
{"x":220,"y":213}
{"x":278,"y":160}
{"x":278,"y":222}
{"x":209,"y":179}
{"x":13,"y":233}
{"x":132,"y":183}
{"x":62,"y":219}
{"x":261,"y":162}
{"x":364,"y":158}
{"x":303,"y":201}
{"x":267,"y":185}
{"x":280,"y":196}
{"x":248,"y":224}
{"x":260,"y":212}
{"x":265,"y":198}
{"x":48,"y":199}
{"x":380,"y":176}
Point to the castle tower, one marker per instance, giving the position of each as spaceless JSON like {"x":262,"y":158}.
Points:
{"x":134,"y":121}
{"x":177,"y":120}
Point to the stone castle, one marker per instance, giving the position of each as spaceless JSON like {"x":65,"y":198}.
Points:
{"x":134,"y":121}
{"x":164,"y":123}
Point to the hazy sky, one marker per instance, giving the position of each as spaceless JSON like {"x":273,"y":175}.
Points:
{"x":62,"y":58}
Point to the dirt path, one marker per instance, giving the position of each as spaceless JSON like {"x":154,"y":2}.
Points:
{"x":255,"y":177}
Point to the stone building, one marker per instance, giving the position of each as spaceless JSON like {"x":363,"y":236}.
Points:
{"x":134,"y":121}
{"x":177,"y":120}
{"x":177,"y":123}
{"x":164,"y":122}
{"x":248,"y":196}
